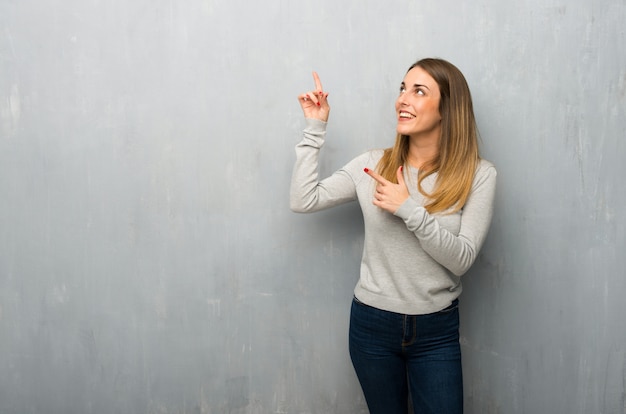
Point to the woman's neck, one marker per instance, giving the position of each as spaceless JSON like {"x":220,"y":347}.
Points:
{"x":422,"y":150}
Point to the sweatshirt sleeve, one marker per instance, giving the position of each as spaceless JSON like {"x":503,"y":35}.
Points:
{"x":455,"y":252}
{"x":308,"y":193}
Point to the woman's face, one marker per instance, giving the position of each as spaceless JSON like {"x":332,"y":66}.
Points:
{"x":417,"y":107}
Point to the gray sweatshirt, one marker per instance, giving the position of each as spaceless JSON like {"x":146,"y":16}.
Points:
{"x":412,"y":261}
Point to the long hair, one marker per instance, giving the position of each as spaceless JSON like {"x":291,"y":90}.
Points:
{"x":457,"y":156}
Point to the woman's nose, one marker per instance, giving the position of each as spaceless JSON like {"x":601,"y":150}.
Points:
{"x":401,"y":99}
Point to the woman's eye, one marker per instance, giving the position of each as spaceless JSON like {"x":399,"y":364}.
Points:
{"x":419,"y":92}
{"x":402,"y":89}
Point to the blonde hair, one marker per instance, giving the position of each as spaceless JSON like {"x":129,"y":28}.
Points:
{"x":457,"y":157}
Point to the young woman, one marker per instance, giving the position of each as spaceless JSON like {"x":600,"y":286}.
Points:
{"x":427,"y":204}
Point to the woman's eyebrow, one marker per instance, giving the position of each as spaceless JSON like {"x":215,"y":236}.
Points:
{"x":415,"y":86}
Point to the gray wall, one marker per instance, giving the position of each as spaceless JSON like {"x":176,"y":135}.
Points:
{"x":148,"y":259}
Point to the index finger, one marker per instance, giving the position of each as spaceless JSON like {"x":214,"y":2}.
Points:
{"x":379,"y":178}
{"x":318,"y":83}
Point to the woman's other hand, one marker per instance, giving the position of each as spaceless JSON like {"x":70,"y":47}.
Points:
{"x":315,"y":103}
{"x":389,"y":196}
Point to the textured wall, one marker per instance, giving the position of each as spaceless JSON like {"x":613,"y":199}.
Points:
{"x":148,"y":259}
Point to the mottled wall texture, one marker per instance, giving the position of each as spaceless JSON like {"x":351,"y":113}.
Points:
{"x":149,"y":262}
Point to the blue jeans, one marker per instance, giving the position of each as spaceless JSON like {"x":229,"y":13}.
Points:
{"x":404,"y":360}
